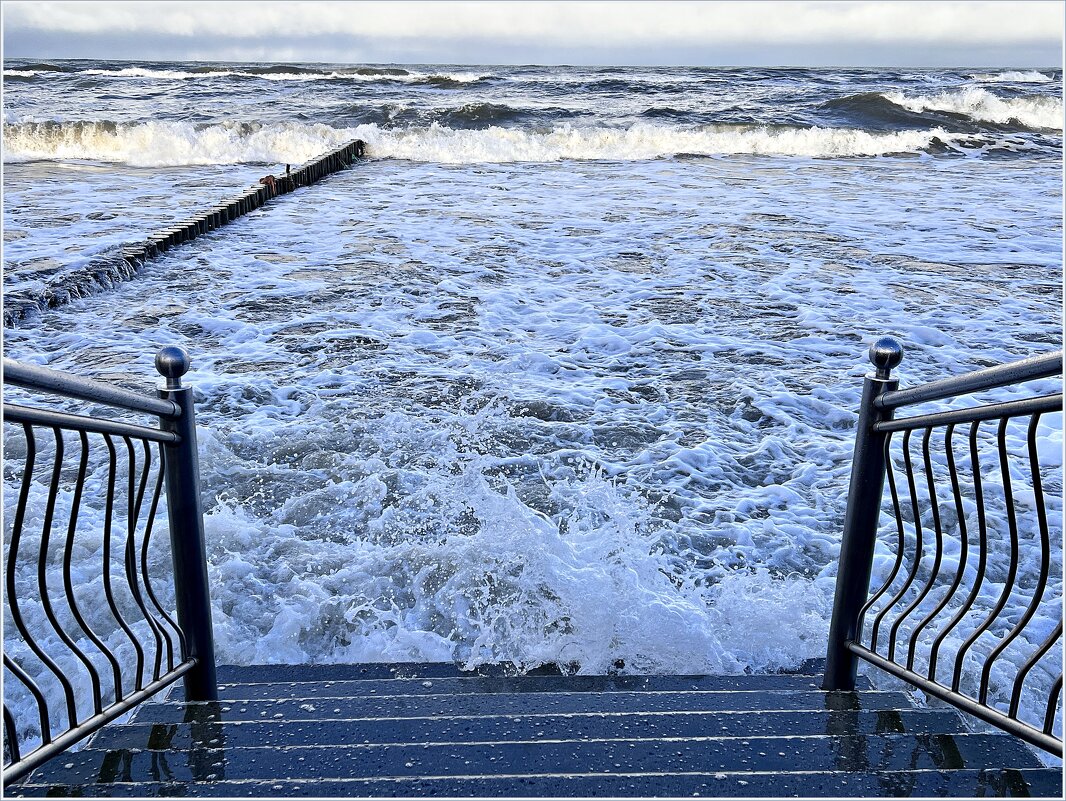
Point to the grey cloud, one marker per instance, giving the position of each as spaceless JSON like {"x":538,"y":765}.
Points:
{"x":158,"y":46}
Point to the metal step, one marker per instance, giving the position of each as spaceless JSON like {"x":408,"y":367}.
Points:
{"x":846,"y":754}
{"x":251,"y":674}
{"x":1002,"y":783}
{"x":443,"y":705}
{"x":497,"y":728}
{"x":434,"y":730}
{"x":513,"y":684}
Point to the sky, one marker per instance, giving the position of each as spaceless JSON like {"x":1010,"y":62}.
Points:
{"x":972,"y":34}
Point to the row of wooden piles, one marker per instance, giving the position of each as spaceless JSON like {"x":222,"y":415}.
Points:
{"x":242,"y":203}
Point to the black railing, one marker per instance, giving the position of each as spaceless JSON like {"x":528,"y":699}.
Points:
{"x":76,"y":635}
{"x":970,"y":511}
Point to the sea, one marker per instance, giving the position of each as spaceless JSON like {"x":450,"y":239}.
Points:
{"x":566,"y":369}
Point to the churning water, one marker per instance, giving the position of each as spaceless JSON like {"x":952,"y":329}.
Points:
{"x":567,"y":369}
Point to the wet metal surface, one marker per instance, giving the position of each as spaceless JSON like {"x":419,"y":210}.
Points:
{"x":439,"y":734}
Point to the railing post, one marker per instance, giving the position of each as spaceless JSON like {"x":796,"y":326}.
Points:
{"x":860,"y":519}
{"x":186,"y":515}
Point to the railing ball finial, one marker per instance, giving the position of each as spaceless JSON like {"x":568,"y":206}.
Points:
{"x":885,"y":354}
{"x":172,"y":363}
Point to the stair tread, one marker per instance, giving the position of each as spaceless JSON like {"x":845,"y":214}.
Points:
{"x":851,"y":754}
{"x":248,"y":674}
{"x":510,"y":727}
{"x":512,"y":684}
{"x":1042,"y":782}
{"x":447,"y":705}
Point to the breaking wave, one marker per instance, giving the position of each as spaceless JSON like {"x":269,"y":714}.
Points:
{"x":1033,"y":113}
{"x":1012,"y":76}
{"x":269,"y":73}
{"x":158,"y":143}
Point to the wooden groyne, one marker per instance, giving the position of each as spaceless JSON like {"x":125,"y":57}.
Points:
{"x":107,"y":270}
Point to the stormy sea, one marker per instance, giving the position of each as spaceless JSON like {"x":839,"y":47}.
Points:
{"x":566,"y":369}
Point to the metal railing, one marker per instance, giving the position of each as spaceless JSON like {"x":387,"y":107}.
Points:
{"x":76,"y":637}
{"x":967,"y":517}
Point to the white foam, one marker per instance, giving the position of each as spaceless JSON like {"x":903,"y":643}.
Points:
{"x":172,"y":143}
{"x":585,"y":411}
{"x":980,"y":104}
{"x":172,"y":75}
{"x":1011,"y":76}
{"x":161,"y":144}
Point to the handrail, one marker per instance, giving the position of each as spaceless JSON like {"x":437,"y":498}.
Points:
{"x":928,"y":595}
{"x":1001,"y":375}
{"x":101,"y":636}
{"x":32,"y":376}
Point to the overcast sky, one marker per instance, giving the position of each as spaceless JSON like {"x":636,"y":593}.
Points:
{"x":973,"y":34}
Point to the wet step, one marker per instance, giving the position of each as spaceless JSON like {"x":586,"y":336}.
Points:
{"x":847,"y":754}
{"x":438,"y":731}
{"x":513,"y":684}
{"x":495,"y":728}
{"x":252,"y":674}
{"x":1043,"y":783}
{"x":442,"y":705}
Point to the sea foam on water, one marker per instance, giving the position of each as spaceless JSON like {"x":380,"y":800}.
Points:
{"x":542,"y":391}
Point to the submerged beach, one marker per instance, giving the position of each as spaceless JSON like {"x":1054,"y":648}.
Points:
{"x":566,"y":370}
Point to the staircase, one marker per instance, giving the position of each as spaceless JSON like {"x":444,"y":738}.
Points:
{"x":431,"y":730}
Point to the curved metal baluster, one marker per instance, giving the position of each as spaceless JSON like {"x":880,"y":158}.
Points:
{"x":133,"y":515}
{"x":919,"y":551}
{"x":109,"y":510}
{"x":12,"y":594}
{"x":144,"y":563}
{"x":1023,"y":671}
{"x":876,"y":628}
{"x":1045,"y":558}
{"x":899,"y":549}
{"x":42,"y":579}
{"x":134,"y":502}
{"x":982,"y":558}
{"x":10,"y":737}
{"x":35,"y":691}
{"x":68,"y":583}
{"x":1012,"y":569}
{"x":938,"y":552}
{"x":964,"y":546}
{"x":1052,"y":705}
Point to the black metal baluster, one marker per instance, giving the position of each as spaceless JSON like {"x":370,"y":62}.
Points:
{"x":1012,"y":568}
{"x":38,"y":696}
{"x":1052,"y":705}
{"x":960,"y":513}
{"x":1023,"y":671}
{"x":68,"y":583}
{"x":42,"y":577}
{"x":938,"y":552}
{"x":133,"y":514}
{"x":982,"y":559}
{"x":12,"y":560}
{"x":919,"y":550}
{"x":109,"y":510}
{"x":10,"y":736}
{"x":144,"y":565}
{"x":1045,"y":563}
{"x":900,"y":548}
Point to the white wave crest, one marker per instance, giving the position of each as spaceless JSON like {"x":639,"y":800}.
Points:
{"x":1011,"y":76}
{"x":638,"y":142}
{"x":980,"y":104}
{"x":175,"y":75}
{"x":168,"y":144}
{"x":157,"y":144}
